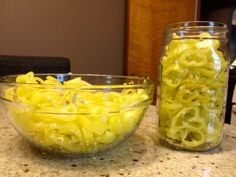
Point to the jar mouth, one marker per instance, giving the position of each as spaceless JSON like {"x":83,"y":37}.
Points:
{"x":197,"y":24}
{"x":190,"y":29}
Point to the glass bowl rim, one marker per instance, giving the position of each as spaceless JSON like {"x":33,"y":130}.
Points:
{"x":4,"y":80}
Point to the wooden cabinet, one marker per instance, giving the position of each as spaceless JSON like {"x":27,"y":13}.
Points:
{"x":147,"y":20}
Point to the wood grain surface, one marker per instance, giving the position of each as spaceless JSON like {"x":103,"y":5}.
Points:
{"x":147,"y":20}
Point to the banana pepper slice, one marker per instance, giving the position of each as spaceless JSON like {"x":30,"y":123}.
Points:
{"x":173,"y":75}
{"x":193,"y":58}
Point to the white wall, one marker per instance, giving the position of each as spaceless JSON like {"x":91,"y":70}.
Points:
{"x":89,"y":32}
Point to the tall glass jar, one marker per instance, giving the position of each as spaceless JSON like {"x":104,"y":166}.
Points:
{"x":192,"y":86}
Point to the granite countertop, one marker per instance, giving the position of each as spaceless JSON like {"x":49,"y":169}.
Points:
{"x":139,"y":156}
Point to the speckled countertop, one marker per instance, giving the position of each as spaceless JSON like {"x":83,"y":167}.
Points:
{"x":139,"y":156}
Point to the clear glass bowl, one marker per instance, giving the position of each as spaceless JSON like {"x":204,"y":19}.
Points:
{"x":72,"y":117}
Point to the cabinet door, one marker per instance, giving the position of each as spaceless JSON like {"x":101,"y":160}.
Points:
{"x":146,"y":23}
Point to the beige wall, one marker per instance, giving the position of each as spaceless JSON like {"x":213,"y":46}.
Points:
{"x":89,"y":32}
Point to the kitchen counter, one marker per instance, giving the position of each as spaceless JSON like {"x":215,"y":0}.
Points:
{"x":139,"y":156}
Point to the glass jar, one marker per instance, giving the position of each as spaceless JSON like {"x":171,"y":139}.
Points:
{"x":192,"y":86}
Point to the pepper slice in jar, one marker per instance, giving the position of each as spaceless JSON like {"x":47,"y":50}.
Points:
{"x":173,"y":75}
{"x":193,"y":58}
